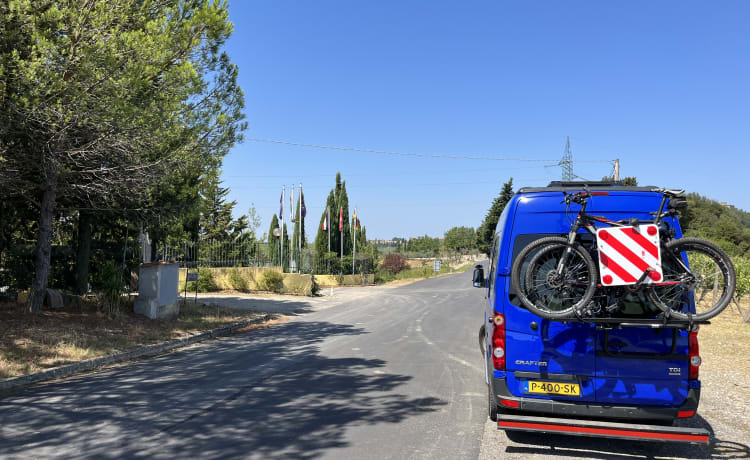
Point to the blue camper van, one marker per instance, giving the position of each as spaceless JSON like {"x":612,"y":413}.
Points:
{"x":628,"y":377}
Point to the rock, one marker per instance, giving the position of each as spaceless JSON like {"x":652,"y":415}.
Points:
{"x":53,"y":300}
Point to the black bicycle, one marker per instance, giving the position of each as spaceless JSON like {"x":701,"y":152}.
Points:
{"x":557,"y":278}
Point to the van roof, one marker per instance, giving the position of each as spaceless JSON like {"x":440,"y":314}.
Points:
{"x":565,"y":186}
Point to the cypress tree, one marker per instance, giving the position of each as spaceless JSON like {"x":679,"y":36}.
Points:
{"x":486,"y":231}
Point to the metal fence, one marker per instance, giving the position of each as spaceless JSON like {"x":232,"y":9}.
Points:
{"x":260,"y":254}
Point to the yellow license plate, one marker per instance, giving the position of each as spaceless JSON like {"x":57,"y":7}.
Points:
{"x":552,"y":388}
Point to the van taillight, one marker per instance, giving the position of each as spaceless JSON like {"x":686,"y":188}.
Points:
{"x":498,"y":342}
{"x":695,"y":358}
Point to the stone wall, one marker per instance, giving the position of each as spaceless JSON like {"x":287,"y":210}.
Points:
{"x":248,"y":279}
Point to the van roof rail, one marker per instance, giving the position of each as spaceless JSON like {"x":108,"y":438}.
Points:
{"x":565,"y":186}
{"x":581,"y":183}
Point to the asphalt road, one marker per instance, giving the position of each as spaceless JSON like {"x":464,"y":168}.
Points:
{"x":392,"y":375}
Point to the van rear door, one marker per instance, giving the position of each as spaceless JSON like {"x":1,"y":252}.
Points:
{"x":539,"y":349}
{"x":638,"y":365}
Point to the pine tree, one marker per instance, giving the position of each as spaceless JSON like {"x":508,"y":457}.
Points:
{"x":486,"y":231}
{"x":216,"y":214}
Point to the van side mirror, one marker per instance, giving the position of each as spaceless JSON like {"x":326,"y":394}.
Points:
{"x":479,"y":276}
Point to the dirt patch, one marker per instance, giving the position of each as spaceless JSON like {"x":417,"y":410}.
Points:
{"x":33,"y":342}
{"x":725,"y":371}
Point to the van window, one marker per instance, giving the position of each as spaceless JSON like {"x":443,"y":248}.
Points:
{"x":630,"y":304}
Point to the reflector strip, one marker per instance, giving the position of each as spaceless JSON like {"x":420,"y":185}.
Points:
{"x":642,"y":241}
{"x":604,"y":431}
{"x":630,"y":250}
{"x":509,"y":403}
{"x":616,"y":269}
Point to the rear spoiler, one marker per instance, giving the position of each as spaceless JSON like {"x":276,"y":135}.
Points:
{"x":577,"y":427}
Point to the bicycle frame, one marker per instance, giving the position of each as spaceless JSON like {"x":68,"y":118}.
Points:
{"x":585,"y":221}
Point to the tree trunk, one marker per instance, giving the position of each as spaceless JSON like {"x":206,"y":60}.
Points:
{"x":84,"y":251}
{"x":44,"y":242}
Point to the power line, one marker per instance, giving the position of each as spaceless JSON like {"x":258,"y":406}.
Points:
{"x":405,"y":154}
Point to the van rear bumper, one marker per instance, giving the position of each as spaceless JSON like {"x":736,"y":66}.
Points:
{"x":592,"y":409}
{"x":577,"y":427}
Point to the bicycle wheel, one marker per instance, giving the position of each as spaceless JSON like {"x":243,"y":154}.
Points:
{"x":696,"y":270}
{"x":547,"y":293}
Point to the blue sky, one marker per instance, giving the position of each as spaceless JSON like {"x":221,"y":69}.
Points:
{"x":664,"y":86}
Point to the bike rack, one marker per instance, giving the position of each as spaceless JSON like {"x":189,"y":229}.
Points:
{"x":662,"y":321}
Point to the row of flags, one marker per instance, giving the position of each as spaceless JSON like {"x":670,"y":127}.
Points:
{"x":341,"y":220}
{"x":303,"y":211}
{"x":303,"y":208}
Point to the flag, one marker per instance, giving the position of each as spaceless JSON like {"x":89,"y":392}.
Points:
{"x":281,"y":207}
{"x":325,"y":221}
{"x":341,"y":219}
{"x":303,"y":209}
{"x":354,"y":218}
{"x":291,"y":205}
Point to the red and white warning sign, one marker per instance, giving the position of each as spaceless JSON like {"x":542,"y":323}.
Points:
{"x":626,"y":252}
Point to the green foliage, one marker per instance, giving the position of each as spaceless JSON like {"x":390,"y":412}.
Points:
{"x":424,"y":245}
{"x":338,"y":199}
{"x":742,"y":267}
{"x":108,"y":284}
{"x":709,"y":219}
{"x":486,"y":231}
{"x":206,"y":282}
{"x":394,"y":263}
{"x":114,"y":104}
{"x":271,"y":280}
{"x":237,"y":281}
{"x":216,"y":222}
{"x":630,"y":180}
{"x":460,"y":239}
{"x":314,"y":286}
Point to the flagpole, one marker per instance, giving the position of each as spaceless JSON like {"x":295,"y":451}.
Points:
{"x":281,"y":228}
{"x":354,"y":236}
{"x":341,"y":235}
{"x":291,"y":218}
{"x":299,"y":219}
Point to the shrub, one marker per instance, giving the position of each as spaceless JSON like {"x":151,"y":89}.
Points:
{"x":383,"y":276}
{"x":271,"y":281}
{"x":314,"y":286}
{"x":109,"y":287}
{"x":237,"y":281}
{"x":206,"y":282}
{"x":394,"y":262}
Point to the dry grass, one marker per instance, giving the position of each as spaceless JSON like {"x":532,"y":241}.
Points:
{"x":30,"y":343}
{"x":725,"y":348}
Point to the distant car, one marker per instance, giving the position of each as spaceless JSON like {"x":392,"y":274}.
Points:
{"x":626,"y":379}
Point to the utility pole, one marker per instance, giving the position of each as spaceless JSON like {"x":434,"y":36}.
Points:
{"x":566,"y":163}
{"x":617,"y":169}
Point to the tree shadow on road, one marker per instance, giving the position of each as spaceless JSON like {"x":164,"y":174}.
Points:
{"x":588,"y":447}
{"x":266,"y":394}
{"x":260,"y":304}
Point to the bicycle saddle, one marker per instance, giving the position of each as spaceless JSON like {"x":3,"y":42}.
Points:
{"x":670,"y":192}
